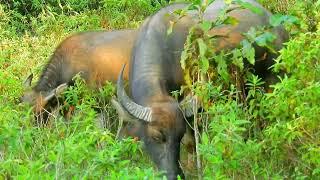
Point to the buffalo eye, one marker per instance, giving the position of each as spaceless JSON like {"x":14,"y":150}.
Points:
{"x":157,"y":135}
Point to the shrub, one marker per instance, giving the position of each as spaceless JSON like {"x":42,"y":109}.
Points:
{"x":262,"y":135}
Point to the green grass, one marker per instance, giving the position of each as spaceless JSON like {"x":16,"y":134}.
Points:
{"x":75,"y":148}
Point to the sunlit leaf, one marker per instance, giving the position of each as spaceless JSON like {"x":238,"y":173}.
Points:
{"x":205,"y":139}
{"x":231,"y":20}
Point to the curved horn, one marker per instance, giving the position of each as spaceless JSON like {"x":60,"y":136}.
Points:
{"x":27,"y":82}
{"x":140,"y":112}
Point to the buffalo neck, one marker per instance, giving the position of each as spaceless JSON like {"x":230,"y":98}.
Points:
{"x":155,"y":66}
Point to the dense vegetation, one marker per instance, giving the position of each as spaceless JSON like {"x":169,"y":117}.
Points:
{"x":267,"y":135}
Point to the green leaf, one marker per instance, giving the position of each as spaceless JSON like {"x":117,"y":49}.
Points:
{"x":194,"y":6}
{"x":240,"y":122}
{"x":187,"y":77}
{"x":265,"y":39}
{"x":222,"y":67}
{"x":184,"y":57}
{"x":205,"y":25}
{"x":210,"y":1}
{"x":202,"y":47}
{"x":251,"y":34}
{"x":204,"y":64}
{"x":237,"y":59}
{"x":248,"y":51}
{"x":279,"y":19}
{"x":230,"y":21}
{"x":205,"y":139}
{"x":249,"y":6}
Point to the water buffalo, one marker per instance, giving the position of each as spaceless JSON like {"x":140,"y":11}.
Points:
{"x":97,"y":56}
{"x":155,"y":71}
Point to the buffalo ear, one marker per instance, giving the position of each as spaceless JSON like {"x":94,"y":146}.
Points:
{"x":123,"y":114}
{"x":27,"y":82}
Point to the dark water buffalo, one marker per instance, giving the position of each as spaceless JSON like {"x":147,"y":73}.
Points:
{"x":155,"y":71}
{"x":97,"y":56}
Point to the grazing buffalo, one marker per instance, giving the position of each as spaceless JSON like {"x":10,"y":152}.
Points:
{"x":97,"y":56}
{"x":155,"y":71}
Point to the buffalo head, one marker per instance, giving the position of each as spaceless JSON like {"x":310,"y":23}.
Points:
{"x":38,"y":100}
{"x":160,"y":126}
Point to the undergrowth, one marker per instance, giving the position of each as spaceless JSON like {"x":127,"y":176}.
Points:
{"x":79,"y":147}
{"x":246,"y":131}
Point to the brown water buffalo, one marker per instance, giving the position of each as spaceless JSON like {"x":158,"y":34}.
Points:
{"x":155,"y":72}
{"x":97,"y":56}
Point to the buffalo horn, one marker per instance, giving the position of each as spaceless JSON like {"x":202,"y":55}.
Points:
{"x":27,"y":82}
{"x":140,"y":112}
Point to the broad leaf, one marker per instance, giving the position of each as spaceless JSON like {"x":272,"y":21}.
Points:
{"x":251,"y":34}
{"x":222,"y":67}
{"x":279,"y":19}
{"x":205,"y":25}
{"x":265,"y":39}
{"x":202,"y":47}
{"x":248,"y":51}
{"x":231,"y":20}
{"x":204,"y":64}
{"x":237,"y":59}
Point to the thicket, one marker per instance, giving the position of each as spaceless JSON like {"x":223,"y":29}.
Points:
{"x":258,"y":134}
{"x":265,"y":135}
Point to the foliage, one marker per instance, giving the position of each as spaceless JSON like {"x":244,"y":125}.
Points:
{"x":255,"y":134}
{"x":78,"y":147}
{"x":23,"y":15}
{"x":66,"y":148}
{"x":306,"y":10}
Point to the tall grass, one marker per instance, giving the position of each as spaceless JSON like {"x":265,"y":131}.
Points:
{"x":74,"y":148}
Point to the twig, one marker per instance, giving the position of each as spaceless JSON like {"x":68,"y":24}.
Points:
{"x":119,"y":127}
{"x":196,"y":132}
{"x":196,"y":136}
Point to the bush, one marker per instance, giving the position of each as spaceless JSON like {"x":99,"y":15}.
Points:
{"x":78,"y":147}
{"x":105,"y":13}
{"x":306,"y":10}
{"x":29,"y":33}
{"x":262,"y":135}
